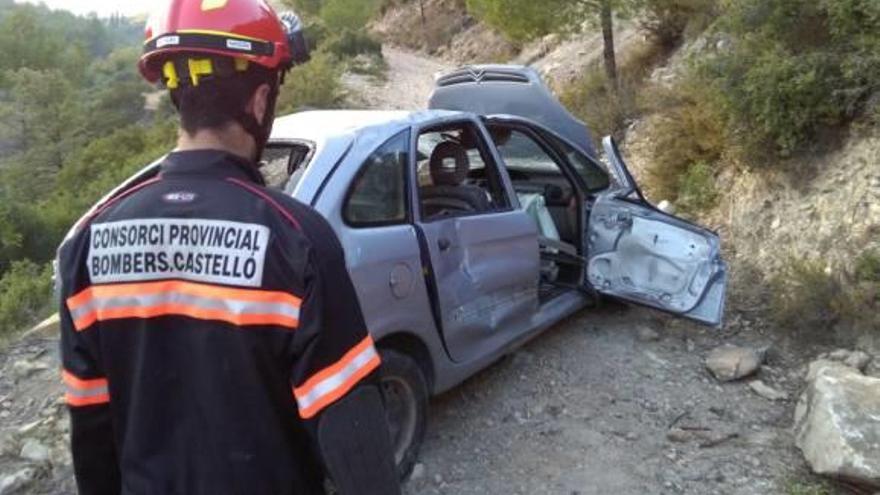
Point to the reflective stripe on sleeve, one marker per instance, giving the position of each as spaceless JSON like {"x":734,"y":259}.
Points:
{"x":239,"y":307}
{"x":330,"y":384}
{"x":79,"y":392}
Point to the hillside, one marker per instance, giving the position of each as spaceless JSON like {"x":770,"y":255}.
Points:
{"x":615,"y":400}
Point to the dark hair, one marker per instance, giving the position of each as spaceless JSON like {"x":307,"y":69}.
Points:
{"x":217,"y":101}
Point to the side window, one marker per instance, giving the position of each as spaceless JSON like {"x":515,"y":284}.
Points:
{"x":594,"y":176}
{"x":457,"y":175}
{"x":283,"y":165}
{"x":378,"y":193}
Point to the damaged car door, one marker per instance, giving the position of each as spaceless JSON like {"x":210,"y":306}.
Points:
{"x":640,"y":254}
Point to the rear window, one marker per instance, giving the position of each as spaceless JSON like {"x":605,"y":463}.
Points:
{"x":285,"y":163}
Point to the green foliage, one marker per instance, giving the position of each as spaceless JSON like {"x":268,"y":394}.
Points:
{"x":25,"y":295}
{"x":607,"y":111}
{"x":807,"y":488}
{"x":806,"y":296}
{"x":348,"y":14}
{"x":686,"y":144}
{"x":349,"y":43}
{"x":532,"y":19}
{"x":696,"y":188}
{"x":41,"y":113}
{"x":795,"y":67}
{"x":867,"y":267}
{"x":316,"y":84}
{"x":669,"y":20}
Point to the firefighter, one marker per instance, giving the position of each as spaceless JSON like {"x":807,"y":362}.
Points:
{"x":212,"y":341}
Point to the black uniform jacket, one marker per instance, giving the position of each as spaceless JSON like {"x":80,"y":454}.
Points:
{"x":206,"y":324}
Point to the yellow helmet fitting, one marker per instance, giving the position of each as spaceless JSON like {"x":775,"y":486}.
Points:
{"x":199,"y":67}
{"x":172,"y":81}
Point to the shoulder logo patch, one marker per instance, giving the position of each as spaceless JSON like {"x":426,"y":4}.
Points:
{"x":180,"y":197}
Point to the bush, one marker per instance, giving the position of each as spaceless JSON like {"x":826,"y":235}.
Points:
{"x":352,"y":15}
{"x":316,"y":84}
{"x":351,"y":43}
{"x":669,"y":20}
{"x":867,"y":267}
{"x":805,"y":296}
{"x":606,"y":111}
{"x":687,"y":143}
{"x":696,"y":188}
{"x":25,"y":296}
{"x":795,"y":67}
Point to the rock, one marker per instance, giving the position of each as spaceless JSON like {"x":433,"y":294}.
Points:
{"x":666,"y":207}
{"x":16,"y":481}
{"x":766,"y":391}
{"x":678,"y":436}
{"x":836,"y":423}
{"x":858,"y":360}
{"x":33,"y":450}
{"x":729,"y":362}
{"x":24,"y":369}
{"x":647,"y":334}
{"x":854,"y":359}
{"x":418,"y":472}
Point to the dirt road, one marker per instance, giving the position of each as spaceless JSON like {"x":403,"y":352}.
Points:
{"x":406,"y":86}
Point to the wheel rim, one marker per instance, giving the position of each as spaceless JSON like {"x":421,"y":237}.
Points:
{"x":402,"y":414}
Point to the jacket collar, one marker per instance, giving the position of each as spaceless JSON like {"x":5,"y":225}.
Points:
{"x":215,"y":164}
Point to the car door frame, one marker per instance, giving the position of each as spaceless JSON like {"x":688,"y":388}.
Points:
{"x":500,"y":341}
{"x":623,"y":187}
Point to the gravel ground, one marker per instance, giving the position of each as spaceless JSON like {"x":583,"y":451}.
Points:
{"x":610,"y":401}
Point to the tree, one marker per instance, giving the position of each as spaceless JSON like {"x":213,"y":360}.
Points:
{"x":524,"y":20}
{"x":44,"y":108}
{"x":25,"y":42}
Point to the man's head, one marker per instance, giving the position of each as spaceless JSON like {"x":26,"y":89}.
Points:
{"x":223,"y":61}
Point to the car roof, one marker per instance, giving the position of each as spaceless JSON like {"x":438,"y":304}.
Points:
{"x":322,"y":125}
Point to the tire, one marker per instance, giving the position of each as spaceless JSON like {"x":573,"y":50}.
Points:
{"x":405,"y":392}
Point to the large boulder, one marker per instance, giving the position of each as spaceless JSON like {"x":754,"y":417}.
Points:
{"x":837,"y":422}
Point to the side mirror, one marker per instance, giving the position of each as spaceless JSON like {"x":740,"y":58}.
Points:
{"x":296,"y":39}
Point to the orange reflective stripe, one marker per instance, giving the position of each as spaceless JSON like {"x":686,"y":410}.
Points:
{"x":330,"y":384}
{"x":77,"y":383}
{"x":183,"y":310}
{"x":239,"y":307}
{"x":85,"y":392}
{"x":212,"y":291}
{"x":86,"y":401}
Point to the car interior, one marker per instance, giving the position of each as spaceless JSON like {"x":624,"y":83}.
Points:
{"x":454,"y":178}
{"x":551,"y":198}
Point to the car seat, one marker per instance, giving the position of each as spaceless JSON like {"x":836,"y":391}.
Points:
{"x":449,"y":169}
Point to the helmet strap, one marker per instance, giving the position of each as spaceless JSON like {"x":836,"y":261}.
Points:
{"x":260,"y":132}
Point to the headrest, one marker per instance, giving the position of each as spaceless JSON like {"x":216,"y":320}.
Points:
{"x":449,"y":164}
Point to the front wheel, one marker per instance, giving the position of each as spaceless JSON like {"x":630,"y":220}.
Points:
{"x":405,"y":391}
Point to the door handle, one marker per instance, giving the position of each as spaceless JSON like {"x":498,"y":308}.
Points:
{"x":444,"y":244}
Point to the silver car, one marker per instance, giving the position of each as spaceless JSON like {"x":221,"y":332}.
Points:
{"x":473,"y":226}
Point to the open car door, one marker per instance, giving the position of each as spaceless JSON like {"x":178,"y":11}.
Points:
{"x":642,"y":255}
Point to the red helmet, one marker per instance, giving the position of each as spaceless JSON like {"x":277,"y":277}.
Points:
{"x":242,"y":29}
